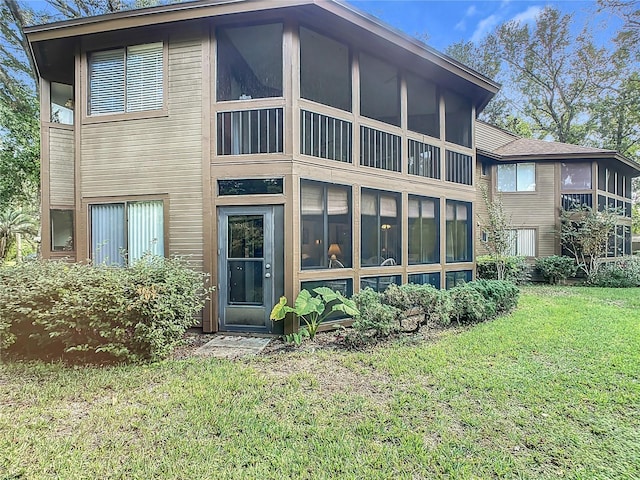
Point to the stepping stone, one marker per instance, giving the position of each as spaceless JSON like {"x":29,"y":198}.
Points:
{"x":232,"y":346}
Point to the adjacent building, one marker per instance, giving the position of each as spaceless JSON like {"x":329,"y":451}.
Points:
{"x":281,"y":145}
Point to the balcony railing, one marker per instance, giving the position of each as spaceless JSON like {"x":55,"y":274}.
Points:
{"x":459,"y":168}
{"x":250,"y":132}
{"x":379,"y":149}
{"x":574,"y":201}
{"x":424,"y":160}
{"x":325,"y":137}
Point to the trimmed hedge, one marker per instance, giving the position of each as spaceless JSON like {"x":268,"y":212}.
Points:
{"x":98,"y":314}
{"x":556,"y":268}
{"x":382,"y":314}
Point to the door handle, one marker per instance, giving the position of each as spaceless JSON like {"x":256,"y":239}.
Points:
{"x":267,"y":275}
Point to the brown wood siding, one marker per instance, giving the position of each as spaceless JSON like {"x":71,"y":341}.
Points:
{"x":157,"y":155}
{"x":489,"y":138}
{"x":61,"y":167}
{"x":480,"y":207}
{"x":536,"y":209}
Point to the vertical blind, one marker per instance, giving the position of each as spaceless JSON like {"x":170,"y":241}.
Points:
{"x":107,"y":233}
{"x":126,"y":80}
{"x":145,"y":228}
{"x":120,"y":231}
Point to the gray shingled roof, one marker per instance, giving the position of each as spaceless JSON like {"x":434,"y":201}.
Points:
{"x":530,"y":146}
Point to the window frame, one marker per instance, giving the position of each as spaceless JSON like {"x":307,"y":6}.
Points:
{"x":325,"y":186}
{"x":88,"y":118}
{"x":164,"y":198}
{"x":516,"y":164}
{"x":470,"y":240}
{"x":437,"y":221}
{"x":516,"y":235}
{"x":378,"y":194}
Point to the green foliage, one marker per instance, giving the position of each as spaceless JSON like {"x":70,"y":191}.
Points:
{"x":313,"y":310}
{"x":498,"y":233}
{"x":13,"y":222}
{"x":556,"y":268}
{"x":619,"y":273}
{"x":585,"y":235}
{"x":516,"y":269}
{"x":503,"y":294}
{"x":483,"y":299}
{"x":296,"y":338}
{"x":469,"y":305}
{"x":433,"y":304}
{"x":97,"y":313}
{"x":375,"y":320}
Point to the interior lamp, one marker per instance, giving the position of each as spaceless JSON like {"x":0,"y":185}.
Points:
{"x":334,"y":251}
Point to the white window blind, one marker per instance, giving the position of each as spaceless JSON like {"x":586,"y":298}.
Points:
{"x":106,"y":82}
{"x":523,"y":242}
{"x":145,"y":228}
{"x":312,"y":200}
{"x":144,"y":77}
{"x":126,"y":80}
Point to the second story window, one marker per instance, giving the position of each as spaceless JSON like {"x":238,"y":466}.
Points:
{"x":62,"y":103}
{"x":127,"y":79}
{"x":576,"y":176}
{"x":517,"y":177}
{"x":249,"y":62}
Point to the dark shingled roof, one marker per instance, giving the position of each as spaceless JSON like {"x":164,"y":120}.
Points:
{"x":530,"y":146}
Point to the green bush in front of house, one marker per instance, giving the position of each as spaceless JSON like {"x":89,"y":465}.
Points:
{"x":516,"y":269}
{"x":383,"y":314}
{"x":97,"y":314}
{"x":623,"y":272}
{"x":556,"y":268}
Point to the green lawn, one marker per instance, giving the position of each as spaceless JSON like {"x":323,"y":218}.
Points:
{"x":551,"y":391}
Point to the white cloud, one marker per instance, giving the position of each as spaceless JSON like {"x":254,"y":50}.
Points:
{"x":461,"y":25}
{"x":472,"y":10}
{"x":529,"y":15}
{"x":484,"y":26}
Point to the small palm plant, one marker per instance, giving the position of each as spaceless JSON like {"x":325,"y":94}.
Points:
{"x":13,"y":222}
{"x":313,"y":310}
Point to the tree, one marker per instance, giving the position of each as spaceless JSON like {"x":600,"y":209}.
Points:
{"x":484,"y":59}
{"x":498,"y":232}
{"x":585,"y":234}
{"x":554,"y":72}
{"x":629,"y":11}
{"x":14,"y":223}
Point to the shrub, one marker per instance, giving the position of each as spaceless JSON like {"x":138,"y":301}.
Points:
{"x":503,"y":294}
{"x":469,"y":305}
{"x":556,"y":268}
{"x":375,"y":319}
{"x":433,"y":304}
{"x":620,"y":273}
{"x":99,"y":314}
{"x":516,"y":269}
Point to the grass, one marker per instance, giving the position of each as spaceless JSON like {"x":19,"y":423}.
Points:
{"x":551,"y":391}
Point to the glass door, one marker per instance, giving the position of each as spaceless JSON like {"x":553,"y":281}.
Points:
{"x":246,"y":268}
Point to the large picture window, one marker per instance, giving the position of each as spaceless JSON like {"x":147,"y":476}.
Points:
{"x":122,"y":232}
{"x":325,"y":70}
{"x":459,"y":232}
{"x":424,"y":235}
{"x":379,"y":90}
{"x":380,"y":229}
{"x":326,"y":225}
{"x":249,"y":62}
{"x":517,"y":177}
{"x":127,"y":79}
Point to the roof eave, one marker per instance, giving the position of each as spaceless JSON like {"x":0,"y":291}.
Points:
{"x":604,"y":155}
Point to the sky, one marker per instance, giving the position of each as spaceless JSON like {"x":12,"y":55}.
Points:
{"x":446,"y":22}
